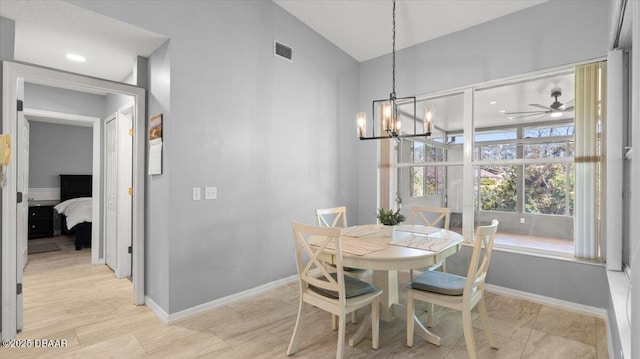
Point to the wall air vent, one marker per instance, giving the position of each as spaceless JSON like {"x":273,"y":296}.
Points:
{"x":282,"y":50}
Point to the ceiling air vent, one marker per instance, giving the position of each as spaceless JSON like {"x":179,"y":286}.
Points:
{"x":283,"y":50}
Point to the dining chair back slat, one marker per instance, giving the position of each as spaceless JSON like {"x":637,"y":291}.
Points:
{"x":431,"y":216}
{"x":336,"y":215}
{"x":314,"y":272}
{"x":482,"y":250}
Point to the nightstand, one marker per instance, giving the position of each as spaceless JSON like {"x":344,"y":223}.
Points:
{"x":40,"y":219}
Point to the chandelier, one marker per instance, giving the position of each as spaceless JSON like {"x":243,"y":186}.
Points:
{"x":387,"y":109}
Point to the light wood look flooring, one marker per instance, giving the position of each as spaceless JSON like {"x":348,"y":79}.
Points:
{"x":68,"y":298}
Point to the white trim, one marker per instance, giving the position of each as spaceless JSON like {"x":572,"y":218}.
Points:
{"x":548,"y":301}
{"x":96,"y":175}
{"x":11,"y":73}
{"x":156,"y":309}
{"x":44,"y":194}
{"x":233,"y":298}
{"x":9,"y":199}
{"x":635,"y":177}
{"x":59,"y":117}
{"x":619,"y":290}
{"x":614,"y":157}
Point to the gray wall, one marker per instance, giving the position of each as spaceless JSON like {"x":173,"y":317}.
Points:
{"x":557,"y":278}
{"x":533,"y":39}
{"x":113,"y":102}
{"x":157,"y":197}
{"x":7,"y":45}
{"x":41,"y":97}
{"x":276,"y":138}
{"x":58,"y":149}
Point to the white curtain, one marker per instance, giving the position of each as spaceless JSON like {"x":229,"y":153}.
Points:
{"x":590,"y":113}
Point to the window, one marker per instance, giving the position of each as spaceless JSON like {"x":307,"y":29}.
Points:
{"x":427,"y":180}
{"x":523,"y":167}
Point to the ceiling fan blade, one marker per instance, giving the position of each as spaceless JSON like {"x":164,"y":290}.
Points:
{"x":570,"y":108}
{"x":540,"y":106}
{"x":518,"y":113}
{"x":529,"y":115}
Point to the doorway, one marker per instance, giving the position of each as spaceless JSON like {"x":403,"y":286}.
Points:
{"x":11,"y":274}
{"x":59,"y":118}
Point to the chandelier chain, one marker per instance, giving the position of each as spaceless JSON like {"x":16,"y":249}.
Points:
{"x":393,"y":52}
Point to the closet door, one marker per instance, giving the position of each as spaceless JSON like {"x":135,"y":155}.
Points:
{"x":111,"y":185}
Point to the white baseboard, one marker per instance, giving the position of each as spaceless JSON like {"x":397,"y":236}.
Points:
{"x":551,"y":302}
{"x":221,"y":302}
{"x":44,"y":194}
{"x":156,"y":309}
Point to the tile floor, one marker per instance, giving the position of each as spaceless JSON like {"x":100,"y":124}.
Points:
{"x":67,"y":298}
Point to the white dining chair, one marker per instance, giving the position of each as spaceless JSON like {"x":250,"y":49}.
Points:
{"x":457,"y":292}
{"x":337,"y":217}
{"x":333,"y":292}
{"x":432,"y":217}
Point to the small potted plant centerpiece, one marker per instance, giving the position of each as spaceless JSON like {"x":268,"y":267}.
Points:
{"x":390,"y":219}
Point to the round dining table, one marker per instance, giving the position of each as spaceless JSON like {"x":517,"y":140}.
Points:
{"x":388,"y":250}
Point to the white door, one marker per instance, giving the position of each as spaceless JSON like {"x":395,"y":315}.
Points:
{"x":22,"y":210}
{"x":111,"y":182}
{"x":125,"y":149}
{"x":23,"y":186}
{"x":118,"y":184}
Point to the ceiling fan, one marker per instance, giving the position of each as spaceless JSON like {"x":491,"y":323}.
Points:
{"x":556,"y":109}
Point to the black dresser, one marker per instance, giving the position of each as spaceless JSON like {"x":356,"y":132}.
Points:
{"x":41,"y":219}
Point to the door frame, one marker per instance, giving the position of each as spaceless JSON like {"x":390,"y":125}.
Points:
{"x":11,"y":73}
{"x":84,"y":121}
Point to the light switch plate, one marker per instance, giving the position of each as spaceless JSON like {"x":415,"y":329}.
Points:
{"x":211,"y":193}
{"x":197,"y":193}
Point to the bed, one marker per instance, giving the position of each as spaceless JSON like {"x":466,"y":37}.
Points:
{"x":75,"y":208}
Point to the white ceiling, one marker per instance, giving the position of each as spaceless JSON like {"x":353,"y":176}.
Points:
{"x":514,"y":96}
{"x":47,"y":30}
{"x":362,"y":28}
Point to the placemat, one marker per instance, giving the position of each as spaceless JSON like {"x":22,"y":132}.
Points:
{"x":419,"y":241}
{"x":361,"y":231}
{"x":417,"y":229}
{"x":355,"y":246}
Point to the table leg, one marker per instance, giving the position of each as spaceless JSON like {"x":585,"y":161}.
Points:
{"x":388,"y":282}
{"x":391,"y":308}
{"x":364,"y":327}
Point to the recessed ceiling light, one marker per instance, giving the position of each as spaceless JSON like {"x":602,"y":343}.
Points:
{"x":76,"y":58}
{"x":510,"y":118}
{"x":493,"y":103}
{"x":556,"y":114}
{"x":503,"y":111}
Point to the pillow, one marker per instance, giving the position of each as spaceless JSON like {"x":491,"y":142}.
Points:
{"x":62,"y":207}
{"x":439,"y":282}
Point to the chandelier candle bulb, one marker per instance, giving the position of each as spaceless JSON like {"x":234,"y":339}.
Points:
{"x":362,"y":124}
{"x":386,"y":116}
{"x":427,"y":120}
{"x":397,"y":124}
